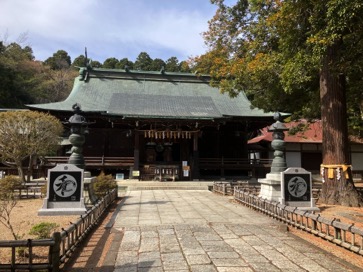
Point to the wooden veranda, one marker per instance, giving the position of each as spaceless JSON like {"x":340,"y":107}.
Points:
{"x":163,"y":171}
{"x":210,"y":168}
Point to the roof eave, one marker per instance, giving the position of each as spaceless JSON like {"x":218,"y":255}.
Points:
{"x":126,"y":116}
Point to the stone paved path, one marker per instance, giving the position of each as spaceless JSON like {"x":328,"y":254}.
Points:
{"x":181,"y":230}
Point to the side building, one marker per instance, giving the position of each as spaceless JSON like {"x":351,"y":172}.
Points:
{"x":160,"y":125}
{"x":304,"y":147}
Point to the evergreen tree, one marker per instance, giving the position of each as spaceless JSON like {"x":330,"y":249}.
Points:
{"x":59,"y":60}
{"x":143,"y":62}
{"x":110,"y":63}
{"x":79,"y":61}
{"x":125,"y":62}
{"x":172,"y":65}
{"x":157,"y":65}
{"x":18,"y":75}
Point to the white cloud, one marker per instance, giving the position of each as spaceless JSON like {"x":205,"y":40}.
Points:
{"x":109,"y":27}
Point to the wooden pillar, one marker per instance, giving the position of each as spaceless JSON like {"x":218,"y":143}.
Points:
{"x":137,"y":152}
{"x":222,"y":167}
{"x":220,"y":151}
{"x":54,"y":252}
{"x":196,"y":170}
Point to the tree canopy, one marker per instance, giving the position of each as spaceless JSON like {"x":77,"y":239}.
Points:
{"x":273,"y":51}
{"x":27,"y":81}
{"x":143,"y":62}
{"x":27,"y":135}
{"x":59,"y":60}
{"x":18,"y":75}
{"x":110,"y":63}
{"x":303,"y":57}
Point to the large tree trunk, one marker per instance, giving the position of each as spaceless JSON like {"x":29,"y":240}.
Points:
{"x":19,"y":166}
{"x":32,"y":160}
{"x":338,"y":186}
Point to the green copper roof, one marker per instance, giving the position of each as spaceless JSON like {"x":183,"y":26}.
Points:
{"x":152,"y":95}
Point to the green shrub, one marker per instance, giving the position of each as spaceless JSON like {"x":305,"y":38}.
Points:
{"x":43,"y":190}
{"x":8,"y":201}
{"x":9,"y":183}
{"x":22,"y":252}
{"x":103,"y":184}
{"x":43,"y":230}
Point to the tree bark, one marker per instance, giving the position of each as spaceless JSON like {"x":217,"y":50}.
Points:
{"x":29,"y":174}
{"x":338,"y":186}
{"x":21,"y":172}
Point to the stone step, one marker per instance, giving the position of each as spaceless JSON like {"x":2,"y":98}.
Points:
{"x":138,"y":188}
{"x":157,"y":185}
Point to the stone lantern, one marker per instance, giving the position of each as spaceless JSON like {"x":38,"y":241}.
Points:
{"x":278,"y":144}
{"x":79,"y":127}
{"x":66,"y":182}
{"x":271,"y":185}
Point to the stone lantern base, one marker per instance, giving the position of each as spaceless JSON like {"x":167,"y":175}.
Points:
{"x":271,"y":187}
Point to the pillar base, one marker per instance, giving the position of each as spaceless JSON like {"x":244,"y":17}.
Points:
{"x":271,"y":187}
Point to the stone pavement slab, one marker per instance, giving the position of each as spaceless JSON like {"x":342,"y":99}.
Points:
{"x":180,"y":230}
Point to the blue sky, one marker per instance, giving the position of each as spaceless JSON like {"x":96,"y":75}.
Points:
{"x":108,"y":28}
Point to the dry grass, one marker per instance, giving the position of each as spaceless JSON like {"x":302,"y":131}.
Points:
{"x":349,"y":215}
{"x":23,"y":217}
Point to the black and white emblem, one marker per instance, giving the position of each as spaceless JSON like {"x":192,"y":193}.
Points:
{"x":65,"y":185}
{"x":297,"y":186}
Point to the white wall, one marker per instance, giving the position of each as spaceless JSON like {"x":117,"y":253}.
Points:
{"x":357,"y":161}
{"x":293,"y":159}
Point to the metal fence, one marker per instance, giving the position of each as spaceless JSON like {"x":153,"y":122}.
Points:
{"x":332,"y":230}
{"x":61,"y":245}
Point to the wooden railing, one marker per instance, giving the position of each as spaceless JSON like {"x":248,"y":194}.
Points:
{"x":30,"y":190}
{"x":231,"y":163}
{"x":227,"y":188}
{"x":332,"y":230}
{"x":256,"y":168}
{"x":102,"y":162}
{"x":61,"y":245}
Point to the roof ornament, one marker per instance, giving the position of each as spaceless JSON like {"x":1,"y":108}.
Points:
{"x":85,"y":57}
{"x":87,"y":61}
{"x":278,"y":126}
{"x":84,"y":72}
{"x":76,"y":108}
{"x":77,"y":118}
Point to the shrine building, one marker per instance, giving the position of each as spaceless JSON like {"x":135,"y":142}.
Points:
{"x":160,"y":125}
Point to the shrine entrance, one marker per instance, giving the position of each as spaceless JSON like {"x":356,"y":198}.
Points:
{"x":166,"y":155}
